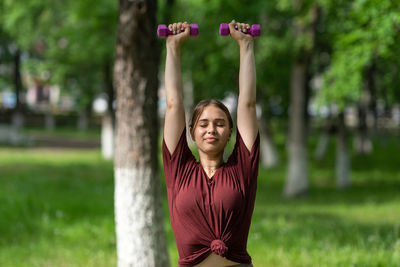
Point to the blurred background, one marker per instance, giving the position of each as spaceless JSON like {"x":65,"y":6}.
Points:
{"x":328,"y":93}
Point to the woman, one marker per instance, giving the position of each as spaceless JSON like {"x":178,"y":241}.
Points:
{"x":211,"y":202}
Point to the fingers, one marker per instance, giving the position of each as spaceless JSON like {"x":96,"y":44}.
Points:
{"x":186,"y":27}
{"x":178,"y":27}
{"x":241,"y":27}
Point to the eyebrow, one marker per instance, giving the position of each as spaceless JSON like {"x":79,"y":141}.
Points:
{"x":218,"y":119}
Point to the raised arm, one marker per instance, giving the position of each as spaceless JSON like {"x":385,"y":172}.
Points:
{"x":246,"y":110}
{"x":175,"y":115}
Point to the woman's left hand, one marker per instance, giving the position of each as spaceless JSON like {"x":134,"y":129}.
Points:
{"x":238,"y":32}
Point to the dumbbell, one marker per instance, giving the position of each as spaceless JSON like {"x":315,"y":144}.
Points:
{"x":163,"y":31}
{"x":253,"y":31}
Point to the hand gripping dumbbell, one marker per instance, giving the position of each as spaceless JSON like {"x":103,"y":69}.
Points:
{"x":253,"y":31}
{"x":163,"y":31}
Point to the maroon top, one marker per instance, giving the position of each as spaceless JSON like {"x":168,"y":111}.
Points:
{"x":211,"y":214}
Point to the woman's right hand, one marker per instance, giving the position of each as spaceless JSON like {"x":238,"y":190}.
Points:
{"x":181,"y":33}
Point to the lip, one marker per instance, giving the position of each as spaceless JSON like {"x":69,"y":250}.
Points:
{"x":210,"y":139}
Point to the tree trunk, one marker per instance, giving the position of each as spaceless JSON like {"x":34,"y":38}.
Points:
{"x":109,"y":89}
{"x":269,"y":152}
{"x":297,"y":180}
{"x":366,"y":111}
{"x":138,"y":210}
{"x":83,"y":120}
{"x":108,"y":119}
{"x":107,"y":136}
{"x":362,"y":142}
{"x":323,"y":140}
{"x":17,"y":119}
{"x":322,"y":145}
{"x":342,"y":155}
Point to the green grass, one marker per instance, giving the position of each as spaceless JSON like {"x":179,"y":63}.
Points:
{"x":63,"y":132}
{"x":56,"y":209}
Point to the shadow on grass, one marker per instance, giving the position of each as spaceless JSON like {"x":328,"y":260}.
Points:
{"x":39,"y":197}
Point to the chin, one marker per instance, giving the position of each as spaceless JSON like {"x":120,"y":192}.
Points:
{"x":212,"y":149}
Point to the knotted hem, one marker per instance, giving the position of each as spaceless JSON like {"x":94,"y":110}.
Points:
{"x":218,"y":247}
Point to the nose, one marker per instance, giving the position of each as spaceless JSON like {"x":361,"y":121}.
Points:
{"x":211,"y":128}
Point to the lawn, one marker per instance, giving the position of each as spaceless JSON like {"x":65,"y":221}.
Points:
{"x":56,"y":209}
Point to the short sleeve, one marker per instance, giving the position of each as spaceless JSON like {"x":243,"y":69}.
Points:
{"x":175,"y":164}
{"x":246,"y":161}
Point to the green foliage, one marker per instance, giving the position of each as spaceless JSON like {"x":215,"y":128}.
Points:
{"x":6,"y":61}
{"x":69,"y":42}
{"x":362,"y":31}
{"x":212,"y":61}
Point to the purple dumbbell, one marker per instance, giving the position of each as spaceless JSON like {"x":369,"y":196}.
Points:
{"x":253,"y":31}
{"x":163,"y":31}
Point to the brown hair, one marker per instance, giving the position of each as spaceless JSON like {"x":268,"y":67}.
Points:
{"x":200,"y":107}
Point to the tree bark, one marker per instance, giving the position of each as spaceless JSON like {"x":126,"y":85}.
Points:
{"x":17,"y":116}
{"x":342,"y":155}
{"x":108,"y":82}
{"x":297,"y":179}
{"x":108,"y":119}
{"x":107,"y":136}
{"x":269,"y":152}
{"x":323,"y":140}
{"x":138,"y":210}
{"x":366,"y":106}
{"x":83,"y":120}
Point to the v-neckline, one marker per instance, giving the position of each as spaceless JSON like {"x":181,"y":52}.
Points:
{"x":216,"y":171}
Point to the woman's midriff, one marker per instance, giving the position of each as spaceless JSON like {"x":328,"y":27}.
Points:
{"x":215,"y":260}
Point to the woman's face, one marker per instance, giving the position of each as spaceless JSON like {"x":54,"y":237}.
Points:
{"x":212,"y":131}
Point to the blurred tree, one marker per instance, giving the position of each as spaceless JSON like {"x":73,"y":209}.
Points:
{"x":305,"y":19}
{"x":10,"y":60}
{"x":70,"y":44}
{"x":364,"y":33}
{"x":138,"y":211}
{"x":6,"y":59}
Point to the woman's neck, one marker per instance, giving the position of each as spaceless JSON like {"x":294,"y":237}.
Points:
{"x":210,"y":163}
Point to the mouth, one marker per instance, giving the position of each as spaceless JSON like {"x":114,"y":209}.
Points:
{"x":210,"y":139}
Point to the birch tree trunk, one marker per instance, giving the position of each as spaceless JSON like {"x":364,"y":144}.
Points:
{"x":342,"y":155}
{"x":107,"y":136}
{"x":297,"y":179}
{"x":269,"y":152}
{"x":108,"y":119}
{"x":138,"y":210}
{"x":323,"y":140}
